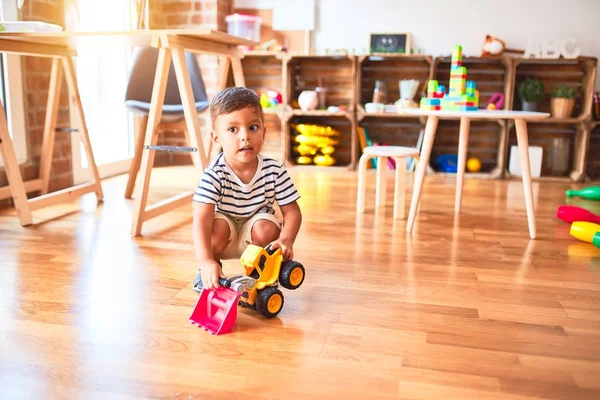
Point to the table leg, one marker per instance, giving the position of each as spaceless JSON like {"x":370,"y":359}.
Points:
{"x":362,"y":178}
{"x":523,"y":143}
{"x":193,"y":133}
{"x":134,"y":168}
{"x":430,"y":128}
{"x":380,"y":182}
{"x":238,"y":72}
{"x":154,"y":117}
{"x":50,"y":123}
{"x":400,"y":188}
{"x":463,"y":143}
{"x":71,"y":77}
{"x":13,"y":173}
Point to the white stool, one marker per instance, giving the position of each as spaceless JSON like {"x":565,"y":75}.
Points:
{"x":382,"y":153}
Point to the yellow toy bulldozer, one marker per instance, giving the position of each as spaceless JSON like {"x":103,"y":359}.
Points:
{"x":266,"y":267}
{"x":216,"y":309}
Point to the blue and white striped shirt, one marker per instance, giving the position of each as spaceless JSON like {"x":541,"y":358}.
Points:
{"x":221,"y":186}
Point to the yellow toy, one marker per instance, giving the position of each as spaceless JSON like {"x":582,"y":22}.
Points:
{"x":316,"y":144}
{"x":473,"y":164}
{"x":216,"y":309}
{"x":324,"y":160}
{"x":266,"y":267}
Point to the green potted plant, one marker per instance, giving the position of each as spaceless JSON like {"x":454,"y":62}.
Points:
{"x":563,"y":101}
{"x":531,"y":91}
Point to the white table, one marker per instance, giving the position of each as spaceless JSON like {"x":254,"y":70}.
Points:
{"x":520,"y":118}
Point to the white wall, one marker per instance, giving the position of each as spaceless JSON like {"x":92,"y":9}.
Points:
{"x":436,"y":25}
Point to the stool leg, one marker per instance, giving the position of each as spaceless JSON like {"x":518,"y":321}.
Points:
{"x":362,"y":176}
{"x":380,"y":190}
{"x":400,"y":188}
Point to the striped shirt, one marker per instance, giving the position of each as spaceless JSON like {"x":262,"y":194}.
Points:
{"x":222,"y":187}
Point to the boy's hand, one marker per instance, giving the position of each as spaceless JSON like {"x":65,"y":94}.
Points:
{"x":211,"y":272}
{"x":287,"y":249}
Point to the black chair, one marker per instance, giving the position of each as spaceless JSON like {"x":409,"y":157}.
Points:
{"x":139,"y":94}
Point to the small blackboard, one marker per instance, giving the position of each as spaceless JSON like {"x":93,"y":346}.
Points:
{"x":398,"y":43}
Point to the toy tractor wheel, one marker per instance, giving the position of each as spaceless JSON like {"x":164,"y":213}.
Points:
{"x":291,"y":275}
{"x":269,"y":302}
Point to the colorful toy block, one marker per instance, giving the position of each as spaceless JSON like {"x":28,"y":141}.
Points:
{"x":462,"y":94}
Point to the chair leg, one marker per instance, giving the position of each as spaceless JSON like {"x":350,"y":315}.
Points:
{"x":137,"y":158}
{"x":400,"y":188}
{"x":381,"y":174}
{"x":362,"y":176}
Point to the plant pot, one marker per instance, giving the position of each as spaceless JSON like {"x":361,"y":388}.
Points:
{"x":561,"y":107}
{"x":529,"y":106}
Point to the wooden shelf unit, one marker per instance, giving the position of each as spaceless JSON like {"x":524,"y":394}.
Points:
{"x":337,"y":73}
{"x":392,"y":132}
{"x":578,"y":73}
{"x":345,"y":150}
{"x":552,"y":134}
{"x":350,"y":81}
{"x":389,"y":69}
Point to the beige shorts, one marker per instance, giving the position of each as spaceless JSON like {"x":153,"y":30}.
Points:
{"x":240,"y":232}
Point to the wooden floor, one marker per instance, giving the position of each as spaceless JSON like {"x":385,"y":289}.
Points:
{"x":463,"y":308}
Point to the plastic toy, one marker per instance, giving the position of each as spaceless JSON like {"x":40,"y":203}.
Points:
{"x":572,"y":214}
{"x":496,"y":101}
{"x":271,"y":98}
{"x":590,"y":193}
{"x":473,"y":164}
{"x":216,"y":309}
{"x":266,"y":266}
{"x":492,"y":46}
{"x":316,"y":144}
{"x":586,"y":232}
{"x":446,"y":163}
{"x":463,"y":95}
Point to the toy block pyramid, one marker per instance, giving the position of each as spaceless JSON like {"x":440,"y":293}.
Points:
{"x":462,"y":94}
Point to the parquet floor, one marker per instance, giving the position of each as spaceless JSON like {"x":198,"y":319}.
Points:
{"x":465,"y":307}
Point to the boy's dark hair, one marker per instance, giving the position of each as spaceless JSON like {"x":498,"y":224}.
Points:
{"x":233,"y":99}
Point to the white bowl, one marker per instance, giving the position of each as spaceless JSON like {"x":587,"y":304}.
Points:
{"x":374,"y":107}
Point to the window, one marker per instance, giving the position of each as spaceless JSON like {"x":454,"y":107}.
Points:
{"x":11,"y":90}
{"x":102,"y":72}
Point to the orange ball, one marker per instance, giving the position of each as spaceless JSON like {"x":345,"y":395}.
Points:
{"x":491,"y":106}
{"x":473,"y":164}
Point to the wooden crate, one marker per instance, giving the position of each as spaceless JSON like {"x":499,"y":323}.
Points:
{"x":593,"y":153}
{"x":262,"y":71}
{"x":553,"y":138}
{"x":578,"y":73}
{"x":392,"y":132}
{"x":345,"y":153}
{"x":390,"y":69}
{"x":487,"y":141}
{"x":491,"y":75}
{"x":337,"y":74}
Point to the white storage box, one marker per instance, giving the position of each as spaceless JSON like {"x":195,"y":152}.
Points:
{"x":535,"y":161}
{"x":244,"y":26}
